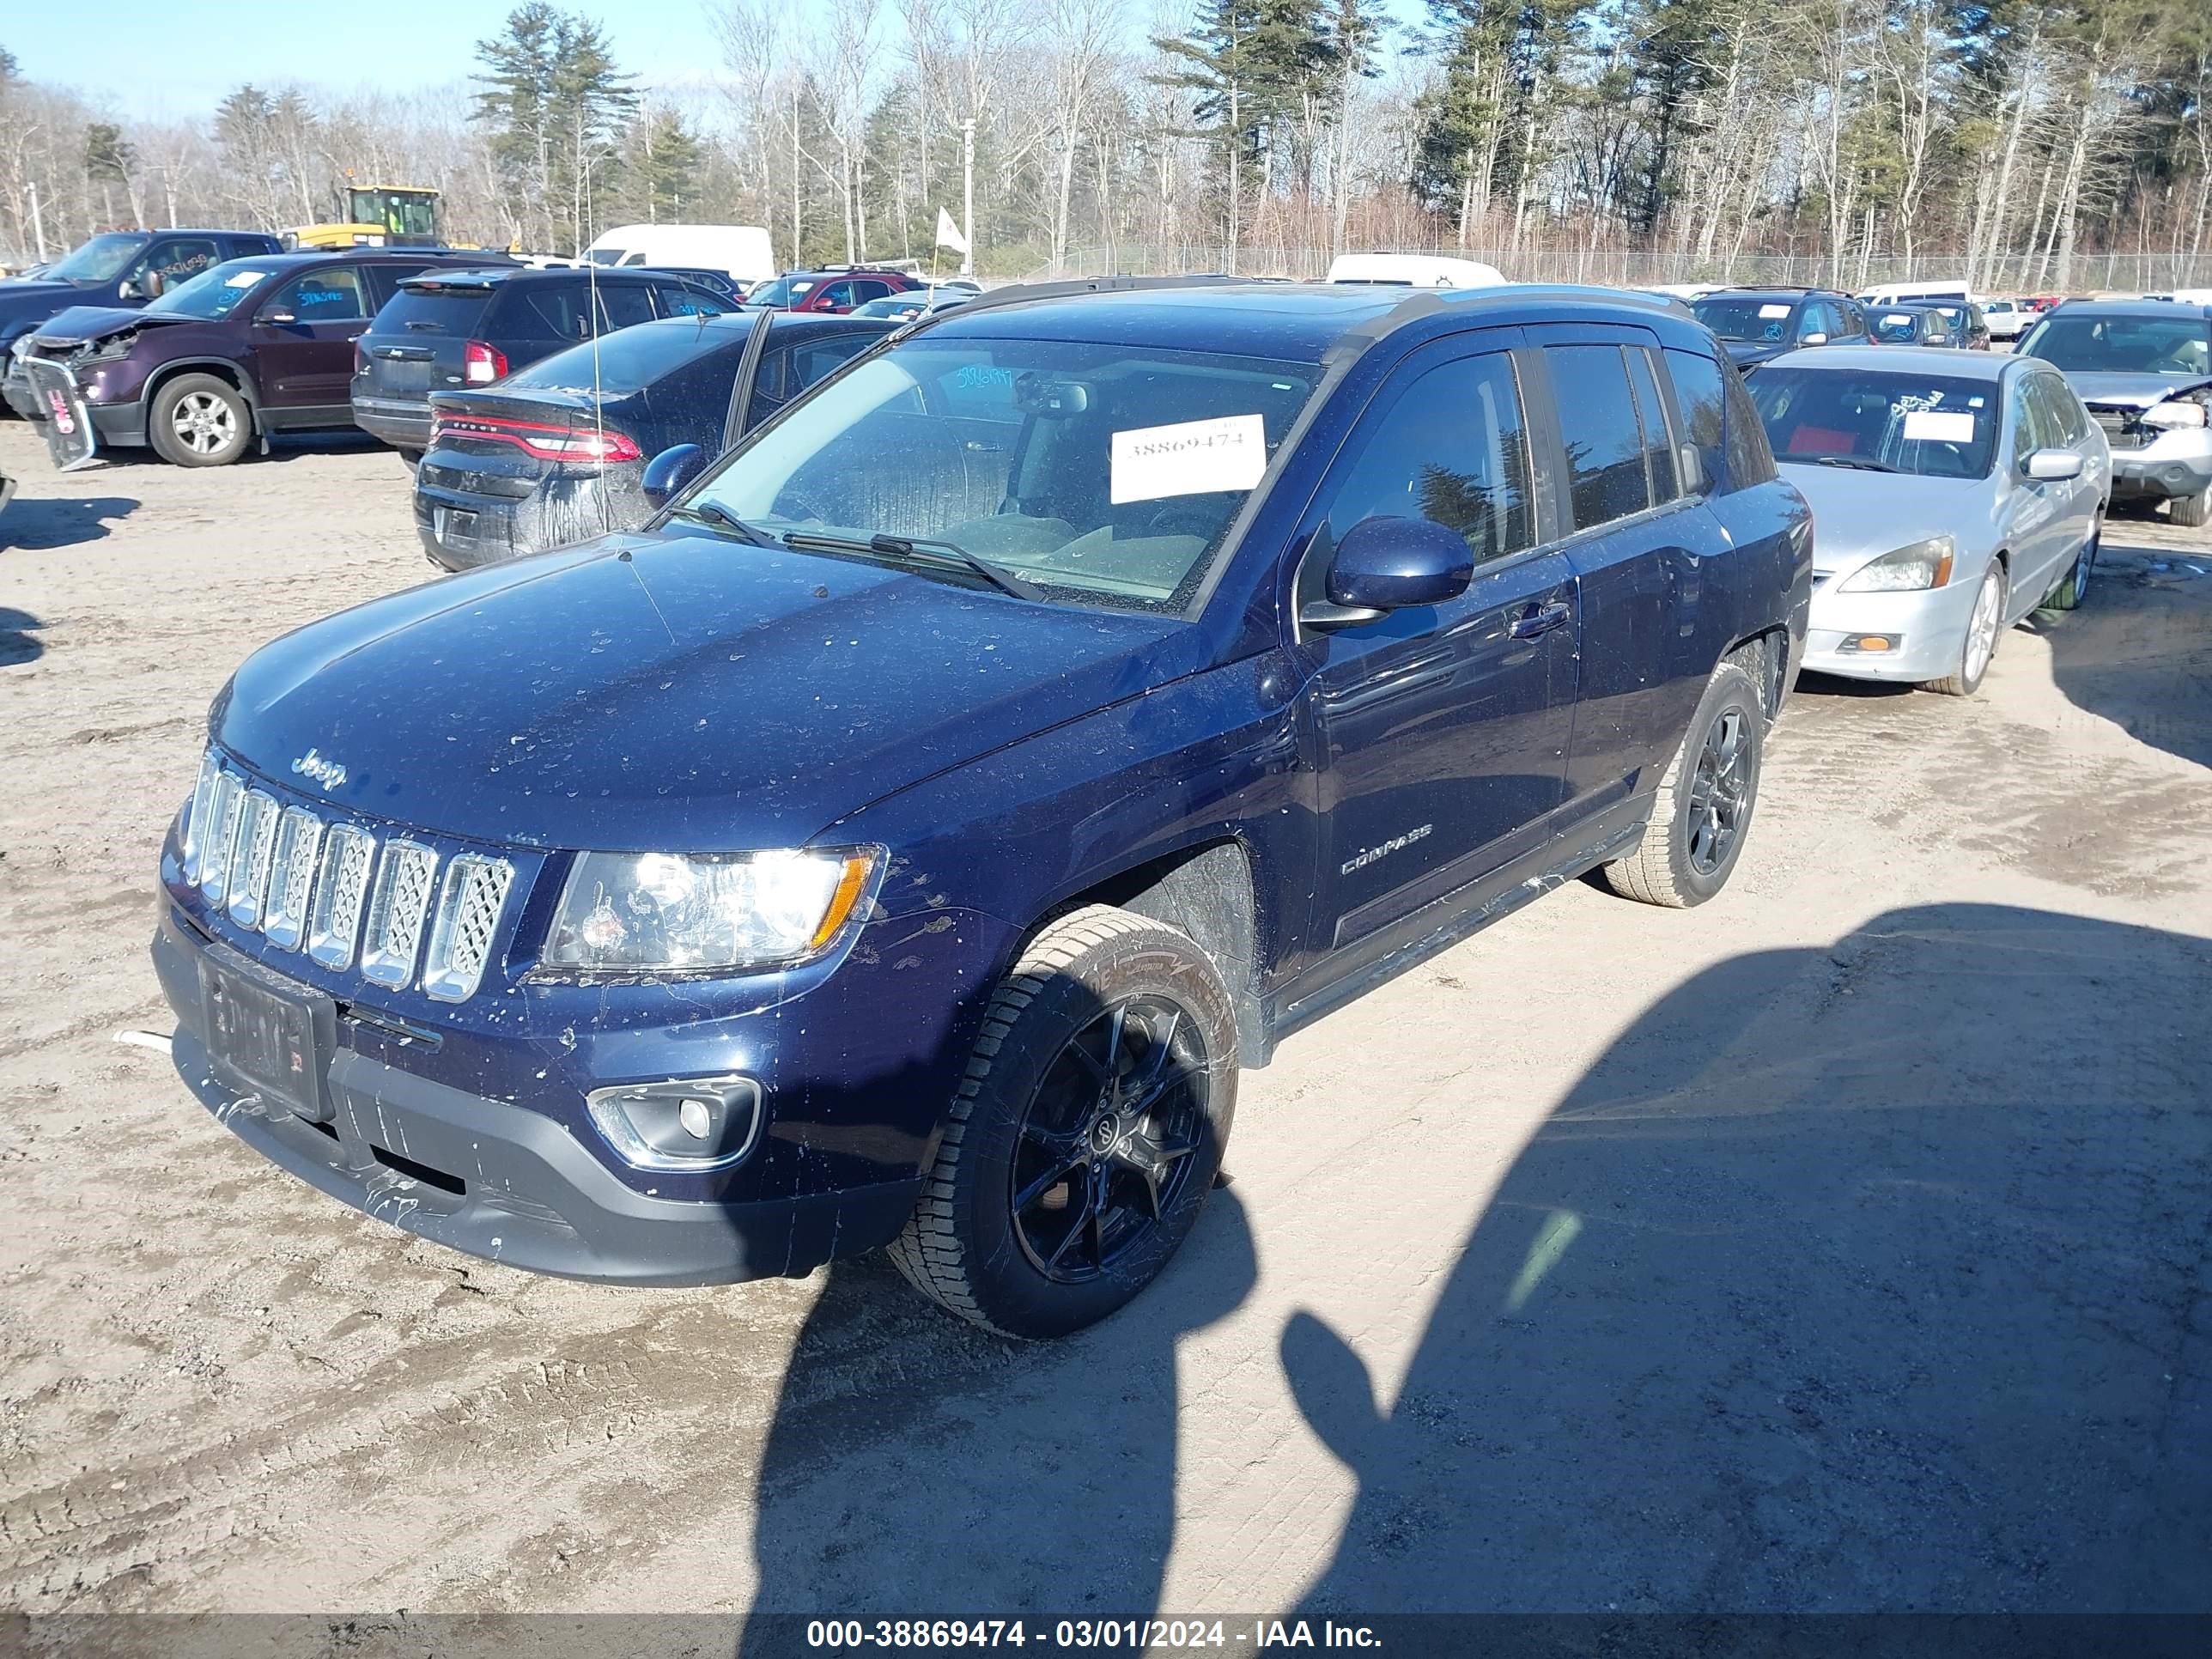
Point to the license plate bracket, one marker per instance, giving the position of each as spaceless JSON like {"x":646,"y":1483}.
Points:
{"x":460,"y":522}
{"x":269,"y":1040}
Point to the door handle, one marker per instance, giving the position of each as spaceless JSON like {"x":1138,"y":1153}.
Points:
{"x":1539,"y":619}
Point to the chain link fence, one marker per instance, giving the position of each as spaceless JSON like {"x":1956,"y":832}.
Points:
{"x":2034,"y":271}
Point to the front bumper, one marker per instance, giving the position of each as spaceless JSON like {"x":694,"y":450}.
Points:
{"x":497,"y":1180}
{"x":1931,"y":621}
{"x":2178,"y":464}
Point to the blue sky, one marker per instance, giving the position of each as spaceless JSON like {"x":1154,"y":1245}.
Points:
{"x":177,"y":56}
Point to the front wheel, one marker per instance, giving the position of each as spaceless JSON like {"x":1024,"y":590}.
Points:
{"x":1086,"y":1135}
{"x":2191,"y":512}
{"x":1983,"y":624}
{"x":1703,"y":806}
{"x":197,"y":420}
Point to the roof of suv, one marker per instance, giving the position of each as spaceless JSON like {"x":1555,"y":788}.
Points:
{"x":1300,"y":322}
{"x":308,"y":256}
{"x":485,"y":275}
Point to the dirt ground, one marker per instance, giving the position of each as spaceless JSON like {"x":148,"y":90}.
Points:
{"x":1842,"y":1244}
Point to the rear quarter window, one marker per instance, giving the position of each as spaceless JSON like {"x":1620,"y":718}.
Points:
{"x":541,"y":311}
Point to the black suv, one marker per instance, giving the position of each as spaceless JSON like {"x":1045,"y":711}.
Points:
{"x":121,"y":268}
{"x":1756,"y":323}
{"x":470,"y":328}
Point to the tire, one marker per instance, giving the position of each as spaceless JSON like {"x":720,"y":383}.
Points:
{"x":1039,"y":1111}
{"x":2191,"y":512}
{"x":1703,"y":808}
{"x":1976,"y":652}
{"x":2074,"y":587}
{"x":196,"y":419}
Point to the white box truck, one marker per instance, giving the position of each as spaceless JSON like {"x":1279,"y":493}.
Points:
{"x":743,"y":251}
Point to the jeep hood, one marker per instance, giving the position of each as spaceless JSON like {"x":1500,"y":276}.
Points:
{"x":2131,"y":390}
{"x":682,"y":692}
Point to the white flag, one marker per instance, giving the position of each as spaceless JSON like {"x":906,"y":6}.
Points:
{"x":948,"y":234}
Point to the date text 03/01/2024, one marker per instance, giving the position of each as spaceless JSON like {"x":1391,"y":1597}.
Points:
{"x":1131,"y":1634}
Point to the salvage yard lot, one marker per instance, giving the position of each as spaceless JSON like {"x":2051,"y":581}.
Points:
{"x":1841,"y":1244}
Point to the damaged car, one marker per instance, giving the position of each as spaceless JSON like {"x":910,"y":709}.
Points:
{"x":2144,"y":368}
{"x":246,"y":350}
{"x":907,"y":838}
{"x":555,"y":453}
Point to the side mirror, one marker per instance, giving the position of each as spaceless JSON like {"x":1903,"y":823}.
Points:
{"x":274,"y":317}
{"x":1812,"y":339}
{"x":1392,"y":564}
{"x":130,"y":288}
{"x":670,"y":470}
{"x":2054,"y":465}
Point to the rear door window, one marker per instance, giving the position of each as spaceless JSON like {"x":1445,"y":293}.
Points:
{"x":1750,"y":461}
{"x":622,"y":304}
{"x":1604,"y":443}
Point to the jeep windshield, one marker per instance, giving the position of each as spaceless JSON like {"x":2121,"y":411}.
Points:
{"x":214,"y":292}
{"x":99,"y":260}
{"x":1100,"y":474}
{"x":2122,"y":346}
{"x":1870,"y":421}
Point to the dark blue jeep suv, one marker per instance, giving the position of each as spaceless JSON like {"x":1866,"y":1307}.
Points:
{"x":907,"y":838}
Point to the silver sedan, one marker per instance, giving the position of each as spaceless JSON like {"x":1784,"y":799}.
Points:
{"x":1952,"y":493}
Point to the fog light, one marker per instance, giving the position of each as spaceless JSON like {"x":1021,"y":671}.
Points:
{"x":685,"y":1123}
{"x":1872,"y":644}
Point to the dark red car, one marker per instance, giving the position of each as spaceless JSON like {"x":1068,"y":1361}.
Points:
{"x":833,"y":289}
{"x":247,"y":348}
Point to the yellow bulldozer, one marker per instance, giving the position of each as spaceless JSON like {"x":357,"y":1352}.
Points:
{"x":377,"y":215}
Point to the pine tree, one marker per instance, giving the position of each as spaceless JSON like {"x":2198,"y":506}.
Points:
{"x":109,"y":161}
{"x":556,"y":107}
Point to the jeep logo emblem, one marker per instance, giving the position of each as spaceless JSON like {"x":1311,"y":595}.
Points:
{"x":313,"y":766}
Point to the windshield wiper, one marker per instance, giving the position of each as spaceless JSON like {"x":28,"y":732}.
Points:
{"x":906,"y":546}
{"x":708,"y":514}
{"x":1860,"y":462}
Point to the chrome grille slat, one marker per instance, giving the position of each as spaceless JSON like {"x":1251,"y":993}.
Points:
{"x":396,"y":911}
{"x":250,"y":855}
{"x":469,"y":905}
{"x":341,"y":885}
{"x":197,"y":820}
{"x":291,"y":877}
{"x":223,"y":808}
{"x":331,"y":887}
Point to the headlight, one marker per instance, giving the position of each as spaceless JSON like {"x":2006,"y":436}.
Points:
{"x":2175,"y":413}
{"x":632,"y":913}
{"x":1924,"y":564}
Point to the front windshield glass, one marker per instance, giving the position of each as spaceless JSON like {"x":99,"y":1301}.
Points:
{"x":1931,"y":425}
{"x":1102,"y":475}
{"x":216,"y":292}
{"x":2122,"y":346}
{"x":1738,"y":318}
{"x":99,"y":260}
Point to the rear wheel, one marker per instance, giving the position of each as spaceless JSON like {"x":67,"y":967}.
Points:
{"x":197,"y":420}
{"x":1703,"y":806}
{"x":2191,"y":511}
{"x":1087,"y":1133}
{"x":1984,"y":625}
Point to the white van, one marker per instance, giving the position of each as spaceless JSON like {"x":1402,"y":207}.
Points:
{"x":742,"y":250}
{"x":1953,"y":289}
{"x":1414,"y":270}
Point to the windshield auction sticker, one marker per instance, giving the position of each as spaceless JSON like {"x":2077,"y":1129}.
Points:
{"x":1191,"y":457}
{"x":1935,"y":426}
